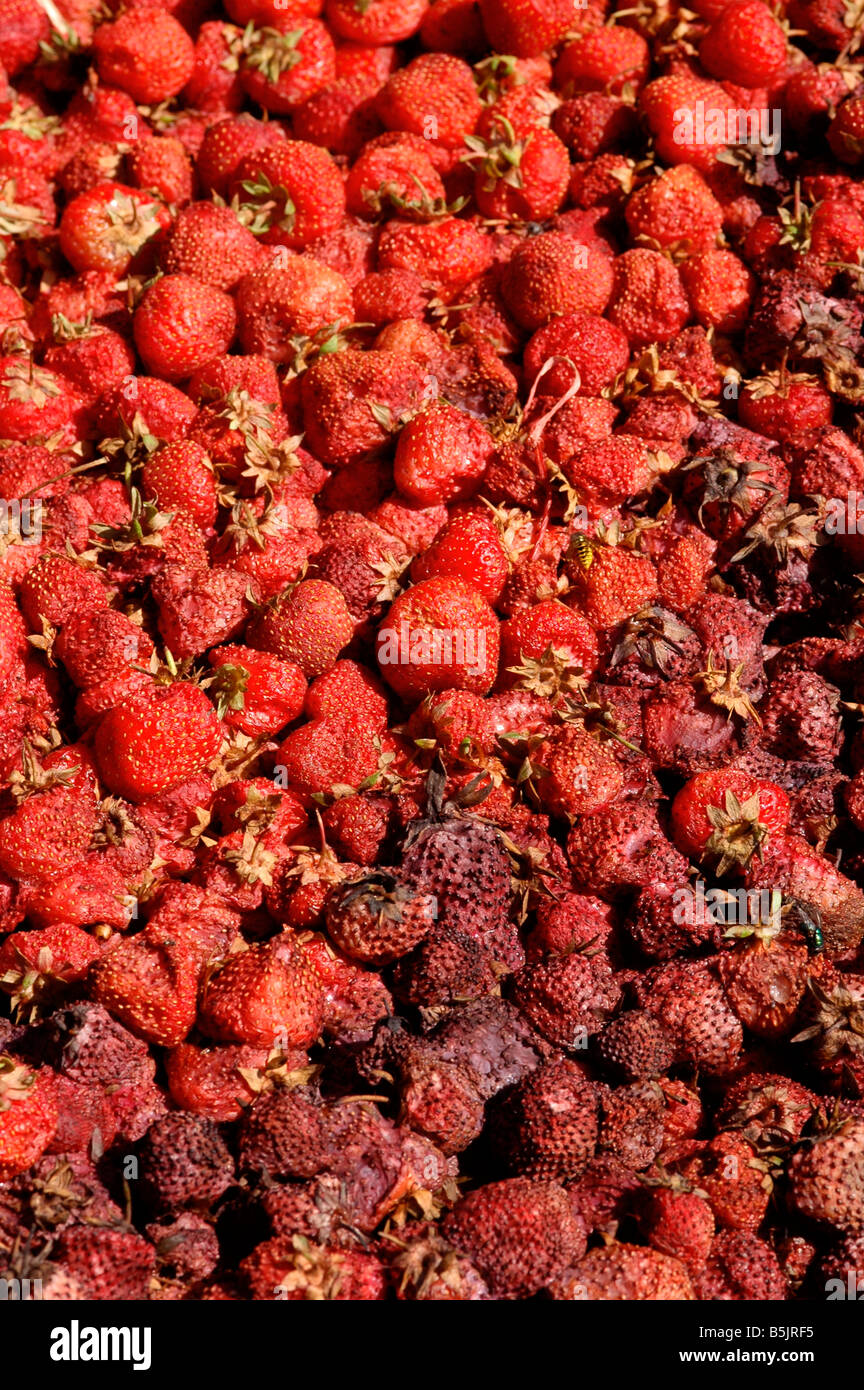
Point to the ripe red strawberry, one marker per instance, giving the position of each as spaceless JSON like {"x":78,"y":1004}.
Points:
{"x":264,"y":995}
{"x":155,"y":738}
{"x":672,"y":105}
{"x":727,"y":815}
{"x":107,"y":227}
{"x":745,"y":44}
{"x":214,"y":86}
{"x":676,"y":210}
{"x":846,"y":132}
{"x":521,"y":1234}
{"x":555,"y":274}
{"x":393,"y":178}
{"x":47,"y":833}
{"x":28,"y":1116}
{"x":528,"y":28}
{"x":149,"y":56}
{"x":225,"y":146}
{"x":441,"y":455}
{"x":180,"y":324}
{"x":294,"y":191}
{"x":284,"y":63}
{"x":255,"y":691}
{"x":448,"y":253}
{"x":520,"y":180}
{"x":180,"y":476}
{"x":604,"y":60}
{"x":216,"y":1082}
{"x":56,"y":587}
{"x":434,"y":96}
{"x":469,"y":548}
{"x":349,"y":690}
{"x":35,"y":403}
{"x":308,"y":624}
{"x":387,"y":22}
{"x":720,"y":289}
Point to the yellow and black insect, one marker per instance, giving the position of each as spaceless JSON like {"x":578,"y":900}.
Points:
{"x":582,"y":550}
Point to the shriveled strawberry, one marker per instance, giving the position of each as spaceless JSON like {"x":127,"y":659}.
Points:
{"x":276,"y":304}
{"x":267,"y":994}
{"x":554,"y":274}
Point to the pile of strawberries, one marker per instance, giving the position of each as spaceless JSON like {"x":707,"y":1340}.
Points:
{"x":431,"y":649}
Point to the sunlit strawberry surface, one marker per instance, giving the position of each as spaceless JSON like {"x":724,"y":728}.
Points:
{"x":431,"y":649}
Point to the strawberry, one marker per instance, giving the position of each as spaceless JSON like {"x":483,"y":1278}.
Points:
{"x":596,"y":348}
{"x":35,"y":403}
{"x":671,"y":106}
{"x":742,"y":1266}
{"x":745,"y":44}
{"x":677,"y":209}
{"x":150,"y":56}
{"x":520,"y":180}
{"x":387,"y":178}
{"x":781,"y":406}
{"x":441,"y":455}
{"x":647,"y":300}
{"x":308,"y":624}
{"x":616,"y":584}
{"x":108,"y":226}
{"x":528,"y":28}
{"x":448,"y":252}
{"x":604,"y":60}
{"x":720,"y":289}
{"x":626,"y":1272}
{"x":24,"y":29}
{"x":554,"y":274}
{"x":846,"y":132}
{"x":441,"y":634}
{"x":210,"y":244}
{"x":181,"y":476}
{"x":266,"y":993}
{"x":278,"y":304}
{"x":28,"y":1116}
{"x":180,"y":324}
{"x":284,"y":63}
{"x":545,"y":1127}
{"x":690,"y":1002}
{"x":256,"y":692}
{"x":378,"y":918}
{"x":352,"y":401}
{"x":225,"y":146}
{"x":36,"y":965}
{"x":469,"y":548}
{"x":212,"y":1081}
{"x":104,"y":1261}
{"x":433,"y":96}
{"x":825,"y":1179}
{"x":521,"y":1234}
{"x":293,"y":190}
{"x":155,"y":738}
{"x":214,"y":84}
{"x":56,"y":587}
{"x":727,"y":815}
{"x":199,"y":608}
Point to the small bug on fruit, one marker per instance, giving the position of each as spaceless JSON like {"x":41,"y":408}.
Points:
{"x":582,"y":550}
